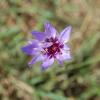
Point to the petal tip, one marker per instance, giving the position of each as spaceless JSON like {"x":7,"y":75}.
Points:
{"x":50,"y":29}
{"x":69,"y":28}
{"x":65,"y":34}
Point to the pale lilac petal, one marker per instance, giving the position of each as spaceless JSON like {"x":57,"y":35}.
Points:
{"x":50,"y":30}
{"x":45,"y":45}
{"x":34,"y":42}
{"x":29,"y":48}
{"x":36,"y":51}
{"x":64,"y":56}
{"x":66,"y":47}
{"x":65,"y":34}
{"x":60,"y":62}
{"x":47,"y":63}
{"x":36,"y":59}
{"x":39,"y":35}
{"x":59,"y":59}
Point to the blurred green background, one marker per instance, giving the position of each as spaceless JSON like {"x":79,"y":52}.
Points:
{"x":78,"y":79}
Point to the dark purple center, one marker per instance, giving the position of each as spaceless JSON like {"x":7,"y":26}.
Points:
{"x":54,"y":48}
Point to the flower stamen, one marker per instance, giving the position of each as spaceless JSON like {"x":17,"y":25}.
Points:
{"x":54,"y":48}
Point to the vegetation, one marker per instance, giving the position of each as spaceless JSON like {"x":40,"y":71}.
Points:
{"x":78,"y":79}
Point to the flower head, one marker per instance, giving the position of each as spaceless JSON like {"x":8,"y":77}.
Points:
{"x":49,"y":46}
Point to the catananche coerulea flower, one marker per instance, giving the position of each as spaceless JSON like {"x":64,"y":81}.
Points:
{"x":48,"y":46}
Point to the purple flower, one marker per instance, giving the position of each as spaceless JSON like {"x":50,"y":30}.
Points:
{"x":49,"y":46}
